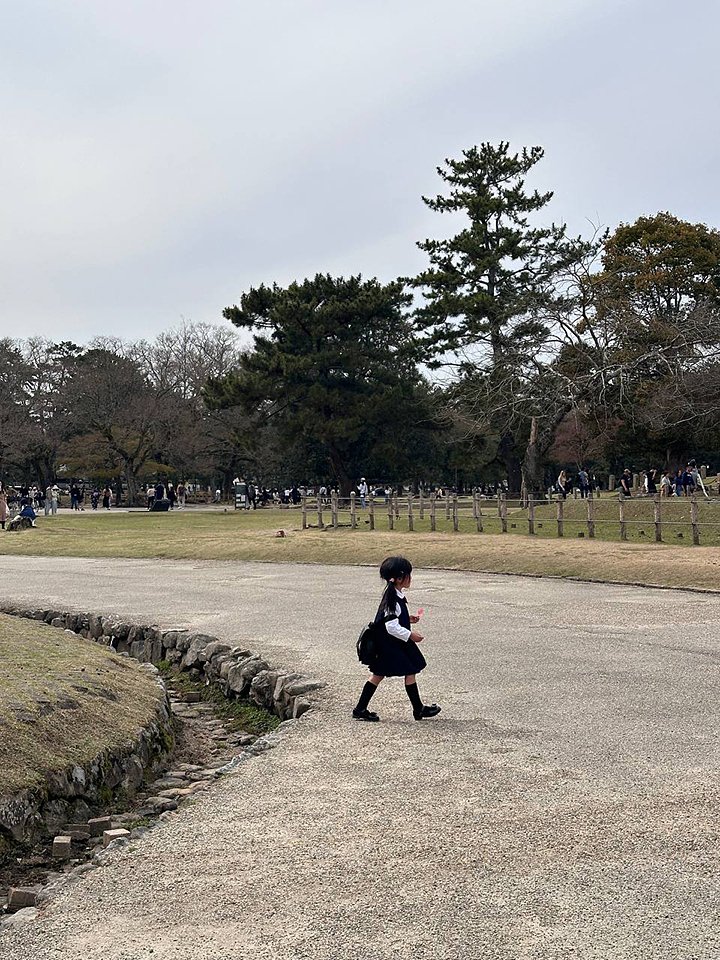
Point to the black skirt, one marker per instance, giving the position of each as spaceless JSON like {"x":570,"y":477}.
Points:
{"x":397,"y":658}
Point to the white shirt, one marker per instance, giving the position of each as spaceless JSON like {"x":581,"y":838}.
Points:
{"x":393,"y":626}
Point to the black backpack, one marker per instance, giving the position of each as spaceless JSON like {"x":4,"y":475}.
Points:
{"x":370,"y":639}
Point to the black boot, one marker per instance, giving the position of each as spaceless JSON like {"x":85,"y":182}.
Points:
{"x":420,"y":712}
{"x":361,"y":711}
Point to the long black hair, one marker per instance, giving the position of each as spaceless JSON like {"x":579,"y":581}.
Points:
{"x":393,"y":568}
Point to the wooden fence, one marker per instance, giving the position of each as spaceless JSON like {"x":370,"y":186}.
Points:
{"x":637,"y":518}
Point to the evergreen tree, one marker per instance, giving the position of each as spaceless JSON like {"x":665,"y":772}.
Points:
{"x":333,"y":367}
{"x":487,"y":289}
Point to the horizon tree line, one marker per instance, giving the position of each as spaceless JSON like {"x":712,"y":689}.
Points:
{"x":518,"y":348}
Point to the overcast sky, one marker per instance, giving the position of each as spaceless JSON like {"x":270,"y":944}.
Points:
{"x":161,"y":156}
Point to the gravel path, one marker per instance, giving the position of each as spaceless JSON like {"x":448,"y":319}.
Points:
{"x":564,"y":804}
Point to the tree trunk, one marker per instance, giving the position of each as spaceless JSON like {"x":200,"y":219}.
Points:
{"x":539,"y":442}
{"x":532,"y":464}
{"x":132,"y":486}
{"x":507,"y":451}
{"x":340,"y":473}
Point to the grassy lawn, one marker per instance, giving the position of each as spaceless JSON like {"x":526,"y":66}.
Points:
{"x":62,"y":701}
{"x":251,"y":536}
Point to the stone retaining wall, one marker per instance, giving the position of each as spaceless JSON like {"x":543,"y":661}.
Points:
{"x":236,"y":671}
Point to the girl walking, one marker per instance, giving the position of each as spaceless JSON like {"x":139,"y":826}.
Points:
{"x":399,"y":655}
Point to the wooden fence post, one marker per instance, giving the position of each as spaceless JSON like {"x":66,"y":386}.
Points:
{"x":353,"y":514}
{"x":422,"y":504}
{"x":371,"y":511}
{"x":531,"y":515}
{"x":304,"y":512}
{"x":657,"y":518}
{"x":503,"y":513}
{"x":334,"y":508}
{"x":391,"y":519}
{"x":321,"y":525}
{"x":447,"y":504}
{"x":433,"y":501}
{"x":478,"y":515}
{"x":475,"y":505}
{"x":411,"y":519}
{"x":611,"y":483}
{"x":623,"y":526}
{"x":397,"y":507}
{"x":455,"y":512}
{"x":590,"y":515}
{"x":560,"y":517}
{"x":694,"y":521}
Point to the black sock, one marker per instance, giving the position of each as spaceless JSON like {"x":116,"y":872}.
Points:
{"x":366,"y":696}
{"x":411,"y":689}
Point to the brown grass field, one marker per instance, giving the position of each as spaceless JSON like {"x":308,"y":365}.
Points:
{"x":63,"y":700}
{"x":208,"y":535}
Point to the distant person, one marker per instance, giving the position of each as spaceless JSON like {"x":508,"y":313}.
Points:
{"x":159,"y":491}
{"x":651,"y":482}
{"x":74,"y":497}
{"x":181,"y":494}
{"x":106,"y":497}
{"x":666,"y":484}
{"x":94,"y":498}
{"x":3,"y":508}
{"x":363,"y":491}
{"x":150,"y":494}
{"x":583,"y":483}
{"x":696,"y":476}
{"x":678,"y":482}
{"x":171,"y":495}
{"x":218,"y":495}
{"x":626,"y":483}
{"x":28,"y":512}
{"x":688,"y":483}
{"x":561,"y":484}
{"x":48,"y":499}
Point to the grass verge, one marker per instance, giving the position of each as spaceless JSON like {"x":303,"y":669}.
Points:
{"x":63,"y":700}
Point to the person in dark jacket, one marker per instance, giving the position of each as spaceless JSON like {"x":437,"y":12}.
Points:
{"x":398,"y":655}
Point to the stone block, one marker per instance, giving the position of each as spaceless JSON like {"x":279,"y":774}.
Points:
{"x":62,"y":847}
{"x":300,"y":706}
{"x":110,"y":835}
{"x":21,"y":897}
{"x":213,"y":649}
{"x":194,"y":655}
{"x":98,"y":825}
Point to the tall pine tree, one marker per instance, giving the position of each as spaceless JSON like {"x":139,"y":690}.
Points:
{"x":486,"y":288}
{"x":332,"y":366}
